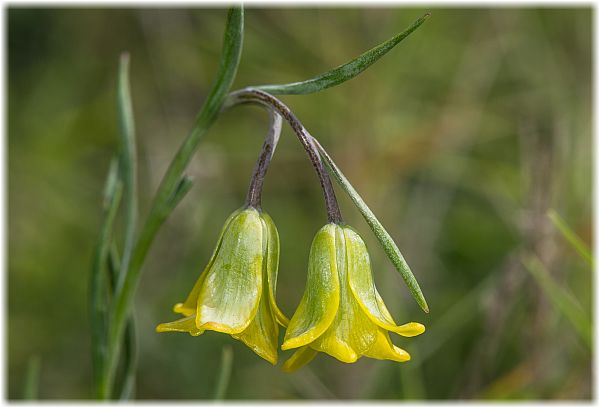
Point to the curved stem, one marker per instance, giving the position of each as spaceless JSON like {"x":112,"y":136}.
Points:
{"x":253,"y":199}
{"x":255,"y":96}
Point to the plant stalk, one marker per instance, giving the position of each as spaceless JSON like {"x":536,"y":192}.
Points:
{"x":255,"y":96}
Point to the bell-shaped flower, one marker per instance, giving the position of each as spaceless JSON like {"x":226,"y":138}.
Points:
{"x":236,"y":292}
{"x":341,"y":313}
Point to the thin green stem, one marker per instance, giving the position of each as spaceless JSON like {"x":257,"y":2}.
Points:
{"x":32,"y":379}
{"x":224,"y":373}
{"x":171,"y":185}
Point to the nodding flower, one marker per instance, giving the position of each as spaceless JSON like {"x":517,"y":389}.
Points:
{"x":341,"y":313}
{"x":236,"y":292}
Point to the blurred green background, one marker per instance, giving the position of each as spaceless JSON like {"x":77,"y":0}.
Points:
{"x":460,"y":140}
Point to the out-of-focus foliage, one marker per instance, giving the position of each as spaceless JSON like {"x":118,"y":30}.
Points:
{"x":460,"y":139}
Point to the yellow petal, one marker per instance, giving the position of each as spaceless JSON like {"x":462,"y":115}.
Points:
{"x":186,"y":325}
{"x":263,"y":333}
{"x":188,"y":307}
{"x":410,"y":329}
{"x":383,"y":349}
{"x":229,"y":298}
{"x":301,"y":357}
{"x":362,"y":284}
{"x":321,"y":297}
{"x":272,"y":265}
{"x":352,"y":332}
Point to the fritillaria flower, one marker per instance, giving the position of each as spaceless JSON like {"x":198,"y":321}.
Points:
{"x":341,"y":312}
{"x":236,"y":292}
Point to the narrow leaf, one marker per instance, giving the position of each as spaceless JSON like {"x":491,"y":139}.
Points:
{"x":382,"y":235}
{"x":560,"y":298}
{"x":127,"y":160}
{"x":127,"y":383}
{"x":224,"y":373}
{"x":32,"y":379}
{"x":576,"y":242}
{"x":344,"y":72}
{"x":230,"y":58}
{"x":185,"y":184}
{"x":98,"y":282}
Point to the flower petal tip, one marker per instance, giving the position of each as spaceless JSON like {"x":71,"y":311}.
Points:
{"x":411,"y":329}
{"x":181,"y":309}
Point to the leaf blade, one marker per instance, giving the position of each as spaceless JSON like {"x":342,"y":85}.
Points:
{"x":561,"y":299}
{"x":345,"y":71}
{"x":570,"y":235}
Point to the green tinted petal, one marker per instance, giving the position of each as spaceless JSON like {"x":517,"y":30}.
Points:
{"x":361,"y":281}
{"x":383,"y":349}
{"x":262,"y":334}
{"x":352,"y":332}
{"x":321,"y":297}
{"x":301,"y":357}
{"x":188,"y":307}
{"x":229,"y":298}
{"x":272,"y":265}
{"x":187,"y":325}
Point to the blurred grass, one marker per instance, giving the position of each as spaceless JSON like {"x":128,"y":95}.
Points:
{"x":460,"y":140}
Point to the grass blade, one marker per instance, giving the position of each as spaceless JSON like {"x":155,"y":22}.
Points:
{"x":344,"y":72}
{"x":32,"y":379}
{"x":224,"y":373}
{"x":560,"y":298}
{"x":230,"y":57}
{"x":576,"y":242}
{"x":98,"y":284}
{"x":389,"y":246}
{"x":127,"y":383}
{"x":127,"y":160}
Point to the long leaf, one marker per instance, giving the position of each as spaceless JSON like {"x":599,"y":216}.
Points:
{"x":32,"y":379}
{"x":576,"y":242}
{"x":389,"y":246}
{"x":344,"y":72}
{"x":224,"y":373}
{"x":170,"y":184}
{"x":127,"y":160}
{"x":561,"y":299}
{"x":98,"y":282}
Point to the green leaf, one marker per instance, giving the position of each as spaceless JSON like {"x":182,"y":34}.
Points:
{"x":98,"y":283}
{"x":170,"y":184}
{"x":127,"y":160}
{"x":224,"y":373}
{"x":389,"y":246}
{"x":560,"y":298}
{"x":576,"y":242}
{"x":344,"y":72}
{"x":32,"y":379}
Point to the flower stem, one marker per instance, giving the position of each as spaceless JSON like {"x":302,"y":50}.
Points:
{"x":255,"y":96}
{"x":254,"y":196}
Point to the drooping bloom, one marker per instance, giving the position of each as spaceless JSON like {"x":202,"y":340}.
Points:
{"x":341,"y":313}
{"x":236,"y":292}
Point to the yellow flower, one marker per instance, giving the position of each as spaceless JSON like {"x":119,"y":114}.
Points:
{"x":341,"y":312}
{"x":236,"y":292}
